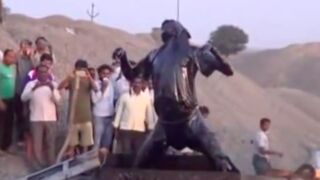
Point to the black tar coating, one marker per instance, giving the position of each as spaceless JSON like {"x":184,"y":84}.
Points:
{"x":173,"y":68}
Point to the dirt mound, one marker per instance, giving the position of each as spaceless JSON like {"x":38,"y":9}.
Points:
{"x":11,"y":167}
{"x":303,"y":50}
{"x":73,"y":39}
{"x":296,"y":66}
{"x":308,"y":103}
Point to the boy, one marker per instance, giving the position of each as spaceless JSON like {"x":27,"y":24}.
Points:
{"x":103,"y":110}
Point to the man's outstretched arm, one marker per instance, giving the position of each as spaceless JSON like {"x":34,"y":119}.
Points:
{"x":143,"y":68}
{"x":208,"y":60}
{"x":270,"y":152}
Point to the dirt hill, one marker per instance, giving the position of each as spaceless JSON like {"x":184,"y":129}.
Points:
{"x":296,"y":66}
{"x":12,"y":166}
{"x":74,"y":39}
{"x":236,"y":103}
{"x":308,"y":103}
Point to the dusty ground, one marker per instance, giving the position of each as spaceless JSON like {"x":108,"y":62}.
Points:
{"x":12,"y":166}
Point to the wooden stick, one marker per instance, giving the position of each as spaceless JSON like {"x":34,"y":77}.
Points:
{"x":71,"y":119}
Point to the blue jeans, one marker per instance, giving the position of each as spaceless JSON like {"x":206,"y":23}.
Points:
{"x":261,"y":165}
{"x":103,"y":131}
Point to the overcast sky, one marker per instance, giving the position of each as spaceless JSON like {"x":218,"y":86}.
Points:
{"x":269,"y":23}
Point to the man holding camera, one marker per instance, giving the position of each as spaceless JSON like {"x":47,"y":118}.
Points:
{"x":43,"y":97}
{"x":80,"y":84}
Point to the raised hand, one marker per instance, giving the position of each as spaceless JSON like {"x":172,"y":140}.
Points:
{"x":225,"y":67}
{"x":121,"y":54}
{"x":38,"y":84}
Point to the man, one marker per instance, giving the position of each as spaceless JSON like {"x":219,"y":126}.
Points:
{"x":46,"y":60}
{"x":133,"y":114}
{"x":25,"y":63}
{"x":42,"y":47}
{"x":261,"y":157}
{"x":103,"y":110}
{"x":43,"y":97}
{"x":80,"y":83}
{"x":147,"y":88}
{"x":173,"y":68}
{"x":7,"y":91}
{"x":121,"y":84}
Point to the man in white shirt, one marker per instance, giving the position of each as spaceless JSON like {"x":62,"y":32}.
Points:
{"x":43,"y":97}
{"x":103,"y":109}
{"x":133,"y":117}
{"x":43,"y":46}
{"x":261,"y":157}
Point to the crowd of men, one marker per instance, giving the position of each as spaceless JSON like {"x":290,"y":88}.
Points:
{"x":29,"y":99}
{"x":107,"y":112}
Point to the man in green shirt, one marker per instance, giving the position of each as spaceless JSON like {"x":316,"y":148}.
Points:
{"x":7,"y":91}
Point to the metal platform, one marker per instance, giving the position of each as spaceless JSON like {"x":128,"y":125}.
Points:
{"x":119,"y":167}
{"x":67,"y":169}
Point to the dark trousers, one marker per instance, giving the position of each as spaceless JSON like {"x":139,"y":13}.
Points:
{"x":129,"y":142}
{"x":6,"y":124}
{"x":20,"y":111}
{"x":44,"y":138}
{"x":261,"y":165}
{"x":191,"y":133}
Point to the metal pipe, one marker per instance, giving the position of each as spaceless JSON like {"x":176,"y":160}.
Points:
{"x":178,"y":10}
